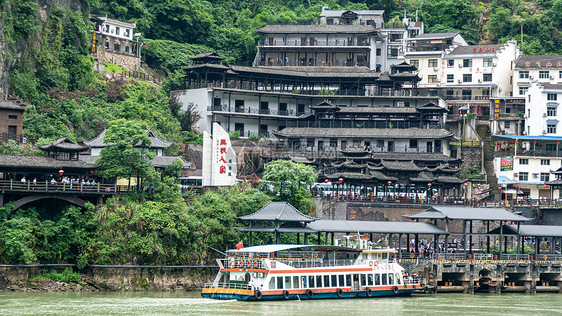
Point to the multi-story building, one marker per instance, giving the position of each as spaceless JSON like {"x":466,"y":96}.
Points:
{"x":114,"y":41}
{"x":343,"y":38}
{"x":11,"y":118}
{"x":539,"y":68}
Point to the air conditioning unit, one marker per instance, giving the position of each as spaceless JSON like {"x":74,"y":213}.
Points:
{"x":515,"y":174}
{"x":551,"y":78}
{"x":535,"y":175}
{"x":531,"y":78}
{"x":543,"y":132}
{"x":479,"y":80}
{"x":435,"y":68}
{"x":460,"y":65}
{"x":400,"y":104}
{"x":494,"y":65}
{"x":544,"y":115}
{"x":459,"y":81}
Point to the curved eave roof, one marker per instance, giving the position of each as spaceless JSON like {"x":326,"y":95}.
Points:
{"x":467,"y":213}
{"x":278,"y":211}
{"x":380,"y":227}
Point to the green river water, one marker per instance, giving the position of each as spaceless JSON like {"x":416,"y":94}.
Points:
{"x":190,"y":303}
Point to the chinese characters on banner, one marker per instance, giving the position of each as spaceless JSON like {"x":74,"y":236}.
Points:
{"x":496,"y":109}
{"x":221,"y":156}
{"x":506,"y":163}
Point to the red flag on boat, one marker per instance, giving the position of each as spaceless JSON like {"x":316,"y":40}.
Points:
{"x":239,"y":245}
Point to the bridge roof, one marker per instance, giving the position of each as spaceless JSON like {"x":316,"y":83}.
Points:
{"x":467,"y":213}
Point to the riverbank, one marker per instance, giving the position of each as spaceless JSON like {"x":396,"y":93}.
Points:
{"x":105,"y":278}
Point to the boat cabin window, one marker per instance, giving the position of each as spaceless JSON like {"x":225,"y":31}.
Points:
{"x":363,"y":280}
{"x":348,"y":280}
{"x":341,"y":284}
{"x":377,"y":279}
{"x":369,"y":279}
{"x":296,"y":282}
{"x":326,"y":281}
{"x":310,"y":281}
{"x":398,"y":278}
{"x":279,"y":283}
{"x":385,"y":256}
{"x":318,"y":281}
{"x":391,"y":278}
{"x":384,"y":279}
{"x":272,"y":283}
{"x":287,"y":282}
{"x":334,"y":281}
{"x":304,"y":283}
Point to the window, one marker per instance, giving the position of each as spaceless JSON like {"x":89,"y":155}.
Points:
{"x":334,"y":281}
{"x":432,"y":78}
{"x":384,"y":279}
{"x":333,"y":142}
{"x":523,"y":176}
{"x":543,"y":74}
{"x":319,"y":281}
{"x":415,"y":63}
{"x":487,"y":77}
{"x":523,"y":161}
{"x":370,"y":280}
{"x":127,"y":32}
{"x":296,"y":284}
{"x":326,"y":281}
{"x":488,"y":62}
{"x":377,"y":279}
{"x":348,"y":280}
{"x":432,"y":63}
{"x":507,"y":124}
{"x":524,"y":74}
{"x":117,"y":30}
{"x":545,"y":162}
{"x":467,"y":62}
{"x":467,"y":78}
{"x":450,"y":63}
{"x":413,"y":143}
{"x":551,"y":128}
{"x":449,"y":94}
{"x":551,"y":111}
{"x":330,"y":21}
{"x":523,"y":90}
{"x":466,"y":94}
{"x":311,"y":281}
{"x":279,"y":283}
{"x":451,"y":78}
{"x":545,"y":176}
{"x":12,"y":117}
{"x":379,"y":51}
{"x":560,"y":74}
{"x":551,"y":96}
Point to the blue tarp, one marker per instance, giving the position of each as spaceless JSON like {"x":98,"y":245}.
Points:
{"x":525,"y":137}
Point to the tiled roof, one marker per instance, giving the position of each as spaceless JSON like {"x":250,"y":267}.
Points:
{"x":351,"y":110}
{"x":41,"y":162}
{"x":385,"y":133}
{"x":416,"y":157}
{"x":207,"y":55}
{"x":156,"y":142}
{"x":63,"y":144}
{"x":278,"y":211}
{"x":12,"y":105}
{"x":551,"y":86}
{"x":338,"y":13}
{"x":429,"y":36}
{"x":475,"y":49}
{"x":539,"y":61}
{"x":400,"y":165}
{"x":158,"y":161}
{"x":317,"y":29}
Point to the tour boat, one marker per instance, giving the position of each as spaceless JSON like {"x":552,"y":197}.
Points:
{"x":284,"y":272}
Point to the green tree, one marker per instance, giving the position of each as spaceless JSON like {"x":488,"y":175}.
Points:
{"x":126,"y":153}
{"x":289,"y":181}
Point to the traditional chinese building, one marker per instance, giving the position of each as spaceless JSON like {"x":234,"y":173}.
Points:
{"x":11,"y":118}
{"x":114,"y":41}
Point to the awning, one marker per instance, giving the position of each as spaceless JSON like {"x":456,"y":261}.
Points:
{"x":505,"y":180}
{"x":512,"y":191}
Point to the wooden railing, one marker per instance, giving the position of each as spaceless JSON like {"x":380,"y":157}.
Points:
{"x":47,"y":186}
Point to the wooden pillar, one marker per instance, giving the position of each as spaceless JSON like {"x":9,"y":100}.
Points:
{"x":519,"y":239}
{"x":487,"y":237}
{"x":501,"y":238}
{"x":464,"y":235}
{"x":470,"y":238}
{"x":298,"y":238}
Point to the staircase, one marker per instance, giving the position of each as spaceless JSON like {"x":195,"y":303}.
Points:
{"x":491,"y":178}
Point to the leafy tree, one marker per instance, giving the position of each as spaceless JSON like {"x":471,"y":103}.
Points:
{"x":121,"y":158}
{"x":290,"y":182}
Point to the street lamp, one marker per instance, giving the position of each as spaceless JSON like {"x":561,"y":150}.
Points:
{"x":428,"y":192}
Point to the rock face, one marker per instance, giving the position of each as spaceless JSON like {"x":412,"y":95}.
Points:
{"x":17,"y":279}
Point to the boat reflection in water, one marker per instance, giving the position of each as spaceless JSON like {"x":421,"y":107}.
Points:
{"x":284,"y":272}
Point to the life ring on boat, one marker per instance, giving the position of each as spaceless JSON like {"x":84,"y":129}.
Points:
{"x":240,"y":263}
{"x":258,"y":295}
{"x":395,"y":289}
{"x":256,"y":263}
{"x":339,"y":292}
{"x":232,"y":262}
{"x":369,"y":292}
{"x":249,"y":263}
{"x":309,"y":293}
{"x":286,"y":294}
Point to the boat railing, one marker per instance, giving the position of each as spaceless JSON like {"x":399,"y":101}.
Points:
{"x":242,"y":263}
{"x":318,"y":263}
{"x":238,"y":286}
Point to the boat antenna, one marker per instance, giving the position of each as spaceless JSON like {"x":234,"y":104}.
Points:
{"x":222,"y":253}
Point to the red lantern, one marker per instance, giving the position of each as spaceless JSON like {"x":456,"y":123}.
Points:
{"x":516,"y":142}
{"x":326,"y":180}
{"x":389,"y":182}
{"x":545,"y":186}
{"x":341,"y":180}
{"x":465,"y":184}
{"x":535,"y":142}
{"x":500,"y":188}
{"x":61,"y":172}
{"x":429,"y":185}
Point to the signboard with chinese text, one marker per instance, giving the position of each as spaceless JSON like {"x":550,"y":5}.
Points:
{"x":506,"y":163}
{"x":219,"y":159}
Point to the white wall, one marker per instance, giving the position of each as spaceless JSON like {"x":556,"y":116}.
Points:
{"x":534,"y":169}
{"x":536,"y":110}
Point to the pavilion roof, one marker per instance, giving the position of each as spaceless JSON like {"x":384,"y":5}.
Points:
{"x":467,"y":213}
{"x":381,"y":227}
{"x":63,"y":144}
{"x":41,"y":162}
{"x":531,"y":230}
{"x":279,"y":212}
{"x":155,"y":141}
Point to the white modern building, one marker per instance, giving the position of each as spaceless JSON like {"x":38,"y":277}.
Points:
{"x":536,"y":68}
{"x":114,"y":35}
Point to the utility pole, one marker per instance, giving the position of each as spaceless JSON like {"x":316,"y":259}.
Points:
{"x":521,"y":49}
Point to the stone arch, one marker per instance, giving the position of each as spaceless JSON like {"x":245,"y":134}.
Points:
{"x":32,"y":198}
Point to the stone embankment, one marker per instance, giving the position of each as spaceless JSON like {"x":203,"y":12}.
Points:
{"x":115,"y":278}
